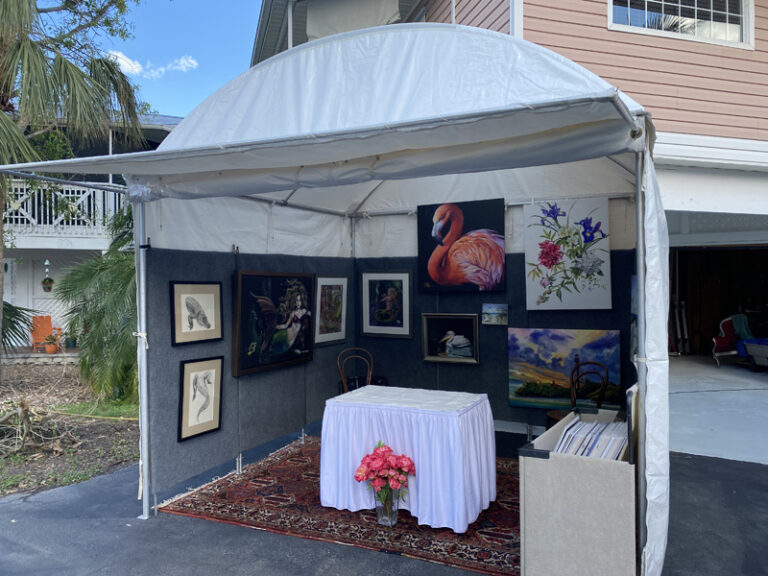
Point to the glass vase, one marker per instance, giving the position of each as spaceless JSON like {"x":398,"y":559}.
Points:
{"x":386,"y":507}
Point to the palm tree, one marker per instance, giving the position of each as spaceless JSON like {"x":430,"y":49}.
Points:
{"x":100,"y":295}
{"x":53,"y":77}
{"x":17,"y":322}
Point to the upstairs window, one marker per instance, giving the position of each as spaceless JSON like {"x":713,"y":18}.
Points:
{"x":709,"y":20}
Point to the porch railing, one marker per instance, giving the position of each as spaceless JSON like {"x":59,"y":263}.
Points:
{"x":45,"y":209}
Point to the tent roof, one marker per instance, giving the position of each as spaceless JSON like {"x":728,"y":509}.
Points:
{"x":393,"y":102}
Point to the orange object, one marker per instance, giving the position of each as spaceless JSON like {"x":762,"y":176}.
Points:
{"x":42,"y":327}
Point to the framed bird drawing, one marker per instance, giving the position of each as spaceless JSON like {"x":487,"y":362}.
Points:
{"x":461,"y":246}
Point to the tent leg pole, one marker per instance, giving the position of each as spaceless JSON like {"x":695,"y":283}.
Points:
{"x":141,"y":352}
{"x":640,"y":360}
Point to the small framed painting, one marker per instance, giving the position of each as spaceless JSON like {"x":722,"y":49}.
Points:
{"x":331,"y":306}
{"x":273,"y":320}
{"x":386,"y":304}
{"x":450,"y":338}
{"x":495,"y":314}
{"x":195,"y":312}
{"x":200,"y":398}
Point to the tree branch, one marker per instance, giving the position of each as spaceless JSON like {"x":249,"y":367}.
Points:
{"x":97,"y":16}
{"x":59,"y":8}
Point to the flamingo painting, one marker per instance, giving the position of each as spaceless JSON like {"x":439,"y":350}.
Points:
{"x":474,"y":258}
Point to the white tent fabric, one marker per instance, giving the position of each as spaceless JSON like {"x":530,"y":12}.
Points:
{"x":657,"y":366}
{"x":328,"y":148}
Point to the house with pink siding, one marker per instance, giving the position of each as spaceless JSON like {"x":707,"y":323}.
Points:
{"x":700,"y":67}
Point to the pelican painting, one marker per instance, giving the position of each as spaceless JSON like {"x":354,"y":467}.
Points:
{"x":450,"y":338}
{"x":461,"y":246}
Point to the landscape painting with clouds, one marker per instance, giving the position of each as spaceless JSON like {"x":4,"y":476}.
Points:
{"x":541,"y":360}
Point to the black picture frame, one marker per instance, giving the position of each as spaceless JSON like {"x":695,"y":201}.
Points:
{"x":461,"y":246}
{"x":331,"y":307}
{"x":386,"y":303}
{"x":196,"y":312}
{"x":269,"y":330}
{"x":450,"y":338}
{"x":200,"y":397}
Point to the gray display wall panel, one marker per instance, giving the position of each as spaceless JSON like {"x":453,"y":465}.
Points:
{"x":170,"y":460}
{"x":401,"y":360}
{"x":255,"y":408}
{"x":259,"y":407}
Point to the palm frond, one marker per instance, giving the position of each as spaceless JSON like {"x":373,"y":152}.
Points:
{"x":121,"y":230}
{"x":27,"y":62}
{"x":83,"y":102}
{"x":17,"y":324}
{"x":100,"y":294}
{"x":16,"y":17}
{"x":122,"y":94}
{"x":14,"y":148}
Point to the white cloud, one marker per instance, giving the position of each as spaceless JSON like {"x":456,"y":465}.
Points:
{"x":132,"y":67}
{"x":183,"y":64}
{"x":128,"y":66}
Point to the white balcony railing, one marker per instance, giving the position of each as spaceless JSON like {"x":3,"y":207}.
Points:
{"x":60,"y":210}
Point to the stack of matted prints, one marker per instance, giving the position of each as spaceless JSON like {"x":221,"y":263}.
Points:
{"x":596,"y":439}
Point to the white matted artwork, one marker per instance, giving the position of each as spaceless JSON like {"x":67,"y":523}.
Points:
{"x":567,"y":255}
{"x":331,"y":307}
{"x":196,"y":312}
{"x":200,"y":399}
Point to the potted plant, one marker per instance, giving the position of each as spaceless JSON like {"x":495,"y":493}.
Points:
{"x":70,"y":338}
{"x":51,"y":343}
{"x":47,"y":284}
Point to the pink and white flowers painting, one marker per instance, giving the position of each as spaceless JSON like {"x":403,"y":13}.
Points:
{"x":568,"y":255}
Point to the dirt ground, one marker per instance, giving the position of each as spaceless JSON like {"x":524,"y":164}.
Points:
{"x":62,"y":449}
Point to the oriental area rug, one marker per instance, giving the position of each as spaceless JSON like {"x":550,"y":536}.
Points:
{"x":281,"y":494}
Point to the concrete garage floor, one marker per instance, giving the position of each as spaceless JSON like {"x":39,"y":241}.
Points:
{"x":718,"y":507}
{"x":720,"y":412}
{"x":718,"y":469}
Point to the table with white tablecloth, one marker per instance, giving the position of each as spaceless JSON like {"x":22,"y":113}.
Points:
{"x":448,"y":435}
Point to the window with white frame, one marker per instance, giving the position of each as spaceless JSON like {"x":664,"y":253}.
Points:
{"x":714,"y":20}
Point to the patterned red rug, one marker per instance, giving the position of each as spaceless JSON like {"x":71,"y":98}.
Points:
{"x":282,"y":494}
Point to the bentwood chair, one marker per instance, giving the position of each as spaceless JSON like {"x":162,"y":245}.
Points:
{"x":578,"y":380}
{"x":350,"y":373}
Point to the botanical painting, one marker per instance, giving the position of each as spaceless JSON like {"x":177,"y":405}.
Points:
{"x":461,"y":246}
{"x":200,"y":400}
{"x":196,"y":312}
{"x":567,"y":255}
{"x":273,"y":320}
{"x":541,"y":361}
{"x":450,"y":338}
{"x":331,"y":309}
{"x":386,"y":298}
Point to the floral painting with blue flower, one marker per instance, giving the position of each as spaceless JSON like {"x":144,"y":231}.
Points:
{"x":567,"y":254}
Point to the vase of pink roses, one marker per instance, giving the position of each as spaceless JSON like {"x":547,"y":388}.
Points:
{"x":387,"y":474}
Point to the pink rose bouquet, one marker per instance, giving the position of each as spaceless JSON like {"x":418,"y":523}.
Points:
{"x":385,"y":471}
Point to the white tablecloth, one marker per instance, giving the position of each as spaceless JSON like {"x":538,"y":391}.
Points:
{"x":448,"y":435}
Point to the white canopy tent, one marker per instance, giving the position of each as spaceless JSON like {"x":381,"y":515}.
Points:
{"x":327,"y":150}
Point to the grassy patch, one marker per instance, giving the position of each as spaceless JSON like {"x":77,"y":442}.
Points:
{"x":100,"y":410}
{"x":10,"y":481}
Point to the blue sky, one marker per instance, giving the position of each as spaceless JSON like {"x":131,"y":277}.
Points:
{"x":184,"y":50}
